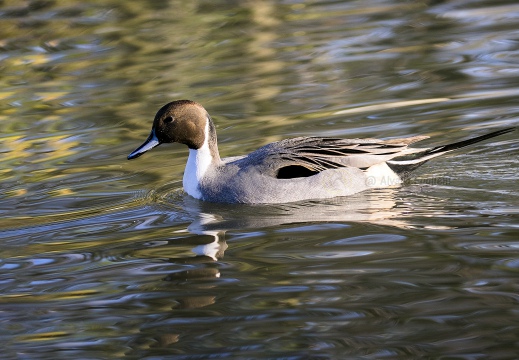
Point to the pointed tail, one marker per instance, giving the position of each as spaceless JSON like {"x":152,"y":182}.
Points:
{"x":457,"y":145}
{"x":404,"y":165}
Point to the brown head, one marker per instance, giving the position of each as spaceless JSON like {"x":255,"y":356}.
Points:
{"x":182,"y":121}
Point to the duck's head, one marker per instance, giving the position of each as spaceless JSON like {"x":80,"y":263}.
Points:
{"x":182,"y":121}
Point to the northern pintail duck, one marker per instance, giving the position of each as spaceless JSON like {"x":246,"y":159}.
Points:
{"x":288,"y":170}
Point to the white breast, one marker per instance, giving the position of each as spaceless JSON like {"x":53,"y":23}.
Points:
{"x":197,"y":164}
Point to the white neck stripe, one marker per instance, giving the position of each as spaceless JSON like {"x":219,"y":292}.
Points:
{"x":198,"y":163}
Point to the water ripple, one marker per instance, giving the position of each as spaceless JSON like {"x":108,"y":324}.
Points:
{"x":106,"y":258}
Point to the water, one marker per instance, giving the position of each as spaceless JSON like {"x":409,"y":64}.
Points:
{"x":105,"y":258}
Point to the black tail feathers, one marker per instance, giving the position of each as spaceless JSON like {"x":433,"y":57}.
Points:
{"x":404,"y":165}
{"x":460,"y":144}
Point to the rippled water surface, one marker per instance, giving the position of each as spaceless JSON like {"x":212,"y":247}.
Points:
{"x":105,"y":258}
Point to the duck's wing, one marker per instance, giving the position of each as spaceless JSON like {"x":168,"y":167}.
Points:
{"x":307,"y":156}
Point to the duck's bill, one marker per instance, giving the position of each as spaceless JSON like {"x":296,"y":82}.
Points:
{"x":149,"y":144}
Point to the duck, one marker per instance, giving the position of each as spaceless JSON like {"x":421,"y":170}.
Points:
{"x":290,"y":170}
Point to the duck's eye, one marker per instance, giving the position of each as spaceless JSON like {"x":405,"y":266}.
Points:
{"x":168,"y":120}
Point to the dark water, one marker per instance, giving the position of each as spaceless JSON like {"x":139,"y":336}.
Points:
{"x":105,"y":258}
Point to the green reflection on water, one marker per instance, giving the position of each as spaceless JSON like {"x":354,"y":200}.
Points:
{"x":97,"y":259}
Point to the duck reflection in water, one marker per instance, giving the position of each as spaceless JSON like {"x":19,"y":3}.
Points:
{"x":212,"y":221}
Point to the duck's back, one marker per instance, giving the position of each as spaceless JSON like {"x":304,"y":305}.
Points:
{"x":299,"y":168}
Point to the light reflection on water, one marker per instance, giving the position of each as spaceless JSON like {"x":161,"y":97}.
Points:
{"x":107,"y":258}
